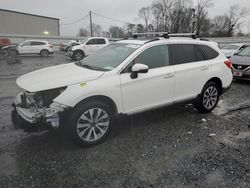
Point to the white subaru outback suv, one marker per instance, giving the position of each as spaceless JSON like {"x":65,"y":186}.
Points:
{"x":126,"y":77}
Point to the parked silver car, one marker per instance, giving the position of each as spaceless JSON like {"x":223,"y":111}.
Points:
{"x":241,"y":64}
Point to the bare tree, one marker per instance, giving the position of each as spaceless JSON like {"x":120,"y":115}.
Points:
{"x":235,"y":16}
{"x":219,"y":25}
{"x":202,"y":15}
{"x":97,"y":29}
{"x":226,"y":25}
{"x":180,"y":16}
{"x":116,"y":32}
{"x":161,"y":10}
{"x":145,"y":14}
{"x":82,"y":32}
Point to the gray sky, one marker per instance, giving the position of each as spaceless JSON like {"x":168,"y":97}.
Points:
{"x":126,"y":10}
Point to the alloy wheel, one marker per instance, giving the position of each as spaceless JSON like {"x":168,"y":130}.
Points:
{"x":78,"y":56}
{"x":210,"y":97}
{"x":93,"y":124}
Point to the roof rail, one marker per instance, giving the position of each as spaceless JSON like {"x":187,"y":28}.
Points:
{"x":204,"y":39}
{"x":192,"y":35}
{"x":165,"y":35}
{"x":154,"y":34}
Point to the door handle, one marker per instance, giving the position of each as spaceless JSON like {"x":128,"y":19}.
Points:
{"x":204,"y":68}
{"x":169,"y":75}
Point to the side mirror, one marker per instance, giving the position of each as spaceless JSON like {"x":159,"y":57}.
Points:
{"x":138,"y":68}
{"x":236,"y":53}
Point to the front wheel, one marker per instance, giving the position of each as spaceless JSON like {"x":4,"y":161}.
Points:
{"x":91,"y":123}
{"x":208,"y":98}
{"x":78,"y":55}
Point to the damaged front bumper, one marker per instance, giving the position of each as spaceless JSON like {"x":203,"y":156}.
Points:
{"x":37,"y":117}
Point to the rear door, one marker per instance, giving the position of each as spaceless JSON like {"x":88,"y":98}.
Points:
{"x":191,"y":71}
{"x":37,"y":46}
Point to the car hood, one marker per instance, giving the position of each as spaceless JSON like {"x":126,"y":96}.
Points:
{"x":240,"y":60}
{"x":80,"y":46}
{"x":228,"y":52}
{"x":56,"y":76}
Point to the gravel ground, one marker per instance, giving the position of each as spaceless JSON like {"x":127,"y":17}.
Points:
{"x":168,"y":147}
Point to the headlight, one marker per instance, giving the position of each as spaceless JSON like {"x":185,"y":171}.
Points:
{"x":45,"y":98}
{"x":39,"y":100}
{"x":58,"y":106}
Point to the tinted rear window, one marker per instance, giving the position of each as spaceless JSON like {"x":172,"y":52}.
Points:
{"x":34,"y":43}
{"x":101,"y":41}
{"x":208,"y":52}
{"x":96,"y":41}
{"x":199,"y":55}
{"x":183,"y":53}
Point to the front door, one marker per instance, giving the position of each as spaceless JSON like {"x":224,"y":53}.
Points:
{"x":151,"y":89}
{"x":25,"y":48}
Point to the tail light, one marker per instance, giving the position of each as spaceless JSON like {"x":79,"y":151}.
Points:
{"x":50,"y":45}
{"x":229,"y":64}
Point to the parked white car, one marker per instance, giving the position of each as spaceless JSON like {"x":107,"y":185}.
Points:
{"x":88,"y":47}
{"x":230,"y":49}
{"x":126,"y":77}
{"x":40,"y":47}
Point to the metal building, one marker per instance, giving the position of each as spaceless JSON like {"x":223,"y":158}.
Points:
{"x":12,"y":22}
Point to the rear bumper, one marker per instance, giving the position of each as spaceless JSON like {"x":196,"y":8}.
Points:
{"x":225,"y":89}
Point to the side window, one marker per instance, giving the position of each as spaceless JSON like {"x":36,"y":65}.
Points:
{"x":96,"y":41}
{"x":26,"y":43}
{"x":199,"y":55}
{"x":208,"y":52}
{"x":34,"y":43}
{"x":91,"y":41}
{"x":101,"y":41}
{"x":154,"y":57}
{"x":183,"y":53}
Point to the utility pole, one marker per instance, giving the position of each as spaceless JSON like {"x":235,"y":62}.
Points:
{"x":91,"y":25}
{"x":193,"y":20}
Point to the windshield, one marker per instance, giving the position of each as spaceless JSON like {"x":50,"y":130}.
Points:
{"x":230,"y":47}
{"x":109,"y":57}
{"x":245,"y":52}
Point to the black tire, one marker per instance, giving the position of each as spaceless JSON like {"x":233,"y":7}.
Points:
{"x":4,"y":52}
{"x":78,"y":55}
{"x":12,"y":53}
{"x":77,"y":119}
{"x":207,"y":100}
{"x":44,"y":53}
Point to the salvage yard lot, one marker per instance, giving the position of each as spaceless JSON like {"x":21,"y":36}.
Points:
{"x":168,"y":147}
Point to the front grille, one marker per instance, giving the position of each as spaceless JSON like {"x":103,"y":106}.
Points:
{"x":241,"y":67}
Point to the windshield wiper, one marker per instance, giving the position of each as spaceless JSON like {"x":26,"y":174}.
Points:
{"x":89,"y":66}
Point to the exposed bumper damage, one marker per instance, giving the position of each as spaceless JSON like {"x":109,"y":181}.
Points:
{"x":30,"y":117}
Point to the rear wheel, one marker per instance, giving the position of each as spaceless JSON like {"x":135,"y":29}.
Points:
{"x":208,"y":98}
{"x":44,"y":53}
{"x":91,"y":123}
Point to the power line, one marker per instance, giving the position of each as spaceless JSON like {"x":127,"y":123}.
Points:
{"x":110,"y":18}
{"x":71,"y":23}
